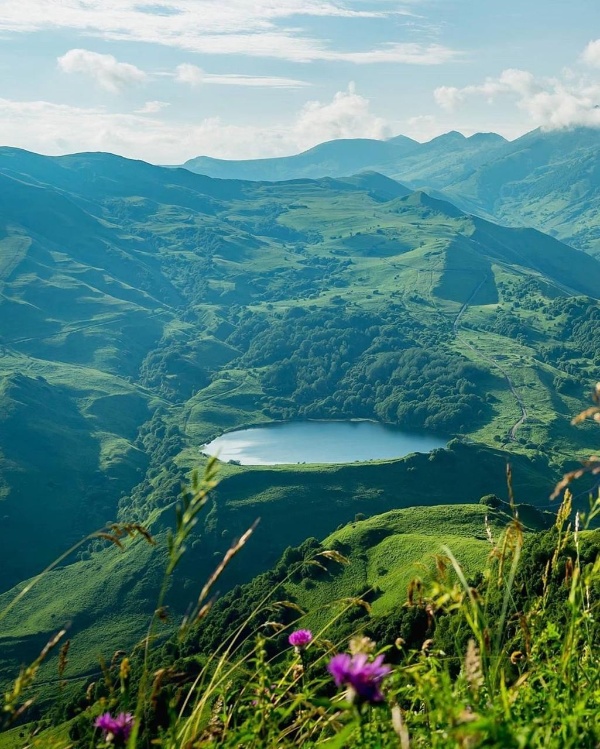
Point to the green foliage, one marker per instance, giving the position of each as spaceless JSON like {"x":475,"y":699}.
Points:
{"x":383,"y":366}
{"x":491,"y":500}
{"x":468,"y":659}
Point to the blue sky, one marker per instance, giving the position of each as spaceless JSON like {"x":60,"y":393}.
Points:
{"x":169,"y":80}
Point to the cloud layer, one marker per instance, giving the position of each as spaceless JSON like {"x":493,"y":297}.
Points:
{"x":54,"y":129}
{"x":115,"y":76}
{"x":254,"y":28}
{"x":195,"y":76}
{"x":569,"y":101}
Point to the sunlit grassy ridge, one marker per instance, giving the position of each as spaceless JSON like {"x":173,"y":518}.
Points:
{"x":387,"y":551}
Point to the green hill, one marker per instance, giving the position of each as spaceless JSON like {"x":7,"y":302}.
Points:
{"x":386,"y":553}
{"x":144,"y":311}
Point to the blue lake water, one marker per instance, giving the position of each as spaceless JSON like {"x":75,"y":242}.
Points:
{"x":319,"y":442}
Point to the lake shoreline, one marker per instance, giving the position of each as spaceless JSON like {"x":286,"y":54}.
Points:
{"x":318,"y":441}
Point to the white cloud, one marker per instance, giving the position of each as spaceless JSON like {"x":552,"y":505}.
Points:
{"x":171,"y":17}
{"x":347,"y":116}
{"x":106,"y":70}
{"x":54,"y":129}
{"x":591,"y":54}
{"x":152,"y":107}
{"x":562,"y":107}
{"x":551,"y":103}
{"x":214,"y":27}
{"x":511,"y":81}
{"x":190,"y":74}
{"x":195,"y":76}
{"x":283,"y":44}
{"x":410,"y":54}
{"x":449,"y":97}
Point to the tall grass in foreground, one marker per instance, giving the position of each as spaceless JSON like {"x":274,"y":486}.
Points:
{"x":513,"y":661}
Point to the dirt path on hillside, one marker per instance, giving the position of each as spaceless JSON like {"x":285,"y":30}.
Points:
{"x":465,"y":306}
{"x":512,"y":432}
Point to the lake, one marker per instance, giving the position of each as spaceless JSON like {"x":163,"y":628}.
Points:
{"x":319,"y":442}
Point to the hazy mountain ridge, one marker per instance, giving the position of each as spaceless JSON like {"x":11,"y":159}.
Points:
{"x":548,"y":180}
{"x":336,"y":158}
{"x":341,"y":158}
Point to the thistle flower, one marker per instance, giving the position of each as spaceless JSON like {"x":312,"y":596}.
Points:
{"x":361,"y":677}
{"x":115,"y":729}
{"x":300,"y":639}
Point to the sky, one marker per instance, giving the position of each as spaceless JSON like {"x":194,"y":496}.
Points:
{"x":170,"y":80}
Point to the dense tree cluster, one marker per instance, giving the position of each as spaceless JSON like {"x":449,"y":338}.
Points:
{"x":581,"y":326}
{"x":348,"y":363}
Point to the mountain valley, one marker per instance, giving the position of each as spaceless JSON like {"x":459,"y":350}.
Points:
{"x":146,"y":310}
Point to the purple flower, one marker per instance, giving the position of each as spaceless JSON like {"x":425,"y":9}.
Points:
{"x":361,"y":677}
{"x":115,"y":729}
{"x":300,"y":638}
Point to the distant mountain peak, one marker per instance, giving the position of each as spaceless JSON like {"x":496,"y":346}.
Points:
{"x":487,"y":137}
{"x":452,"y":135}
{"x":401,"y":139}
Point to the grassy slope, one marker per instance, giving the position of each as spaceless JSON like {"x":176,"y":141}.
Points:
{"x":106,"y":606}
{"x":388,"y":551}
{"x":46,"y":436}
{"x":75,"y":325}
{"x":125,"y":307}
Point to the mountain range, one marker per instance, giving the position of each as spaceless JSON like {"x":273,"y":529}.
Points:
{"x":145,"y":310}
{"x":547,"y":180}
